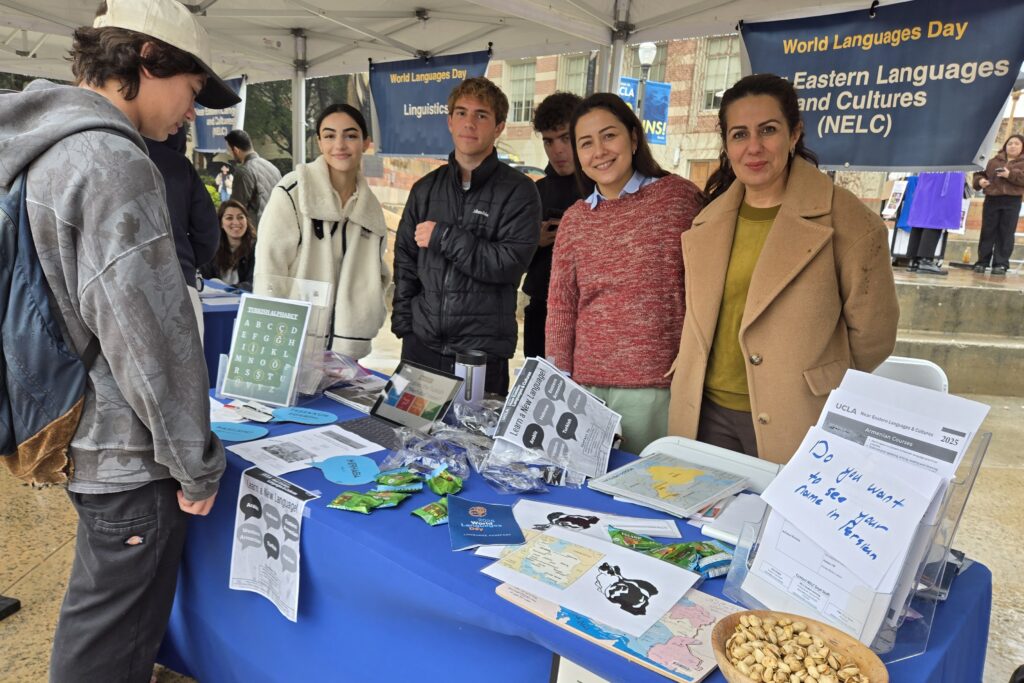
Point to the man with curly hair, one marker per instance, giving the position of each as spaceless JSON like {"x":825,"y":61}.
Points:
{"x":142,"y":459}
{"x":558,"y":191}
{"x":467,"y":234}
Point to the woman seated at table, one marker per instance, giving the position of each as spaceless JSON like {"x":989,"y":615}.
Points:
{"x":788,"y":284}
{"x":615,"y":302}
{"x":323,"y":224}
{"x":235,"y":257}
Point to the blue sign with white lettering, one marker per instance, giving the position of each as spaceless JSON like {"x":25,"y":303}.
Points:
{"x":411,"y":99}
{"x":213,"y":124}
{"x":912,"y":86}
{"x":656,"y":97}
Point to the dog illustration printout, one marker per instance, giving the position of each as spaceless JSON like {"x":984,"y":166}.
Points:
{"x":616,"y":586}
{"x":632,"y":595}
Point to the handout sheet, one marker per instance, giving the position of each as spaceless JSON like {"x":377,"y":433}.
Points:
{"x":296,"y":451}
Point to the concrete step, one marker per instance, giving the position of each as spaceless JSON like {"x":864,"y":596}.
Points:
{"x":974,"y":363}
{"x":956,"y":244}
{"x":963,"y":302}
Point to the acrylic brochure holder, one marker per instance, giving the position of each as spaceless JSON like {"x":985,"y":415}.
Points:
{"x":907,"y":623}
{"x":320,"y":296}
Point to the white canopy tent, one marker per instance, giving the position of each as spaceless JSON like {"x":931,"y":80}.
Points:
{"x":299,"y":39}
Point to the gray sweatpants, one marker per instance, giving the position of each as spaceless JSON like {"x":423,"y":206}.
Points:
{"x":122,"y":585}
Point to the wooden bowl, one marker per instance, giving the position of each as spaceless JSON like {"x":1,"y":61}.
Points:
{"x":848,"y":646}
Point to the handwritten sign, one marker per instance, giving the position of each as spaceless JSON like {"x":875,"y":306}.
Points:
{"x":861,"y":506}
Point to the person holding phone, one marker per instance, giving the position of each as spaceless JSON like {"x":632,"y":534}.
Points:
{"x":1003,"y":184}
{"x":558,"y":191}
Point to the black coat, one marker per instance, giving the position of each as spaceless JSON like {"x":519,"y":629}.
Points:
{"x":460,"y":292}
{"x":245,"y":267}
{"x":557,"y":193}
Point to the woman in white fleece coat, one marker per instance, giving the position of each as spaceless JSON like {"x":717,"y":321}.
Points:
{"x":323,"y":223}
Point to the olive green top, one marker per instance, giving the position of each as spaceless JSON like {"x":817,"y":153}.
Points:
{"x":725,"y":383}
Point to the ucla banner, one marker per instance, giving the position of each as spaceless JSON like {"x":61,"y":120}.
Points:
{"x":920,"y":86}
{"x":655,"y":106}
{"x":213,"y":124}
{"x":411,"y":99}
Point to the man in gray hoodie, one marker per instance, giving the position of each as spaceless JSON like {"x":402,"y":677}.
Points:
{"x":143,"y":458}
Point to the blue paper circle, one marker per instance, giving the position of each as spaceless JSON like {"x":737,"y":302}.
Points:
{"x":348,"y":470}
{"x":234,"y":431}
{"x":305,"y":416}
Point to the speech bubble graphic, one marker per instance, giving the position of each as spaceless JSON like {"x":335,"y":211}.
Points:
{"x":533,"y":436}
{"x":557,"y":449}
{"x":289,"y":559}
{"x":290,"y":526}
{"x":249,"y":535}
{"x":306,"y":416}
{"x":272,"y":545}
{"x":577,"y":401}
{"x":544,"y":412}
{"x":250,"y":506}
{"x":348,"y":470}
{"x":567,"y":424}
{"x":554,"y":387}
{"x":272,"y":516}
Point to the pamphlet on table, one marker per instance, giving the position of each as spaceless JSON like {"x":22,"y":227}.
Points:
{"x":546,"y":410}
{"x":265,"y":546}
{"x":678,"y":646}
{"x":472,"y":524}
{"x":669,"y":483}
{"x":616,"y":586}
{"x":296,"y":451}
{"x":359,"y":393}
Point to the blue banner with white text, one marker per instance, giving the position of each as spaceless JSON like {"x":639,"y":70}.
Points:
{"x":919,"y":86}
{"x":213,"y":124}
{"x":655,"y":106}
{"x":411,"y":101}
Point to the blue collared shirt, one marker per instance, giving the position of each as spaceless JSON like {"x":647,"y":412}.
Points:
{"x":634,"y":184}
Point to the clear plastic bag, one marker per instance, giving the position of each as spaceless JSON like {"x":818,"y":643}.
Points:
{"x":422,"y":453}
{"x":337,"y":367}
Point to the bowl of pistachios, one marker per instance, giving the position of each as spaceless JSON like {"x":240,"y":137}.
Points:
{"x":759,"y":646}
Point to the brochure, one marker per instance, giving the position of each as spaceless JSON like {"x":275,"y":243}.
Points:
{"x":472,"y":524}
{"x":547,"y":411}
{"x":359,"y":393}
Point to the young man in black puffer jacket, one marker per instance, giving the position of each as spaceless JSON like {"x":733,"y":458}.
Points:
{"x":467,"y":235}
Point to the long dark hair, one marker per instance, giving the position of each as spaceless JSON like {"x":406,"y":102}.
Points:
{"x":643,"y":160}
{"x":757,"y":84}
{"x":227,"y":260}
{"x":1003,"y":149}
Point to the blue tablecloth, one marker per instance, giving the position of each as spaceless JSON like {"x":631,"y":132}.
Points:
{"x":218,"y":322}
{"x":383,"y":598}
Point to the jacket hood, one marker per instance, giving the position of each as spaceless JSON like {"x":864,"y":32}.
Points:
{"x":44,"y":113}
{"x":317,"y":198}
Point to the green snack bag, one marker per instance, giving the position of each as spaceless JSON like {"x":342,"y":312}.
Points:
{"x":443,"y":482}
{"x":354,"y":501}
{"x":680,"y":554}
{"x":433,"y":513}
{"x":628,"y":539}
{"x":387,"y":499}
{"x":397,"y":477}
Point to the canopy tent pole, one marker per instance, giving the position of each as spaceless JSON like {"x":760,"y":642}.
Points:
{"x":299,"y":99}
{"x":619,"y":36}
{"x":603,"y":63}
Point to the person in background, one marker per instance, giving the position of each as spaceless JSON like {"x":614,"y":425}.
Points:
{"x":1003,"y":184}
{"x":254,"y":176}
{"x":224,"y":181}
{"x":324,"y":224}
{"x":615,"y":304}
{"x":194,"y":222}
{"x":558,"y":191}
{"x":467,"y":234}
{"x":788,"y":284}
{"x":235,"y":258}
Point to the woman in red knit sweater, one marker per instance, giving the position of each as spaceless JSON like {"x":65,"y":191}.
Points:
{"x":615,"y":303}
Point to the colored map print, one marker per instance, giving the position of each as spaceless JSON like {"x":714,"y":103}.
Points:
{"x":664,"y":478}
{"x":553,"y":561}
{"x":679,"y":643}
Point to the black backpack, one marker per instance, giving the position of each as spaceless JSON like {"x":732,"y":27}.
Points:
{"x":42,"y":381}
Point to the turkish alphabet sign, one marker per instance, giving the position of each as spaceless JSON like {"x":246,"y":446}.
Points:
{"x":411,"y":99}
{"x":655,"y":106}
{"x":918,"y":86}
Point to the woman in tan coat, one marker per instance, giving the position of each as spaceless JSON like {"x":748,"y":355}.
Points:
{"x":788,"y":284}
